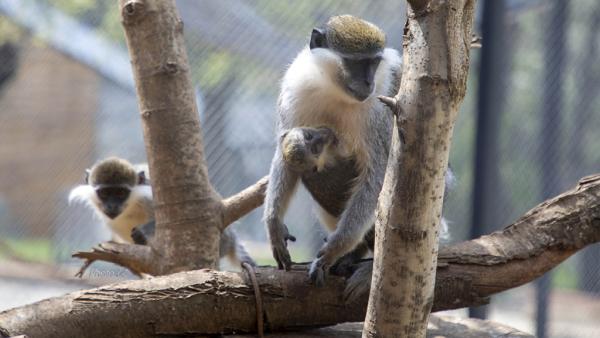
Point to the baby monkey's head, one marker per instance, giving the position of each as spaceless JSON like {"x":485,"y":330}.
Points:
{"x":308,"y":149}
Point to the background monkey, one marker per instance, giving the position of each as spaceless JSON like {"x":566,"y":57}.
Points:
{"x":121,"y":195}
{"x":334,"y":82}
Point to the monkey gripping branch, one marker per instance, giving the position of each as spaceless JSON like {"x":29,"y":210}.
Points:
{"x":212,"y":302}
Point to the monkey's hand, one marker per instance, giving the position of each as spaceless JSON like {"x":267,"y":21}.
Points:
{"x":279,"y":235}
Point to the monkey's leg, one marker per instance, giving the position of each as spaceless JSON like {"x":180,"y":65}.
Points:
{"x":345,"y":265}
{"x":281,"y":187}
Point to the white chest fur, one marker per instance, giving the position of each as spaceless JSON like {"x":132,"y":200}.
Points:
{"x":131,"y":217}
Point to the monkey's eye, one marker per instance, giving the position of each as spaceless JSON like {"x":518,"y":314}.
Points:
{"x":308,"y":136}
{"x":102,"y":193}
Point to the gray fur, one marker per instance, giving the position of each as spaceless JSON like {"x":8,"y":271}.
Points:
{"x":347,"y":190}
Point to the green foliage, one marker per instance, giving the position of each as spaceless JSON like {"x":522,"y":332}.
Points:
{"x":37,"y":250}
{"x":9,"y":32}
{"x":565,"y":276}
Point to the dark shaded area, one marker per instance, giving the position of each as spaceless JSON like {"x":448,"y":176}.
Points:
{"x":550,"y":132}
{"x":487,"y":187}
{"x":9,"y":61}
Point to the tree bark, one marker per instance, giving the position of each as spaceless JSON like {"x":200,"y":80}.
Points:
{"x":436,"y":61}
{"x":186,"y":206}
{"x":211,"y":302}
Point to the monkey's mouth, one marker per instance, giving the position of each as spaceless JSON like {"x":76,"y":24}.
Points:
{"x":360,"y":94}
{"x":113,"y":214}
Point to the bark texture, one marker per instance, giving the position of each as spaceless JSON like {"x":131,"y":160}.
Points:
{"x":436,"y":48}
{"x":210,"y":302}
{"x":439,"y":326}
{"x":186,"y":206}
{"x":242,"y":203}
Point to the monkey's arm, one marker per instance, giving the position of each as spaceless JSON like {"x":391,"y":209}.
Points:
{"x":141,"y":234}
{"x":281,"y":187}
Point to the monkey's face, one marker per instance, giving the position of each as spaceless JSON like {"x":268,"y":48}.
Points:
{"x":358,"y":46}
{"x":304,"y":148}
{"x":113,"y":199}
{"x":358,"y":75}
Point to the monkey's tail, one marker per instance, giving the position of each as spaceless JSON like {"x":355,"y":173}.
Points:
{"x":242,"y":255}
{"x":234,"y":249}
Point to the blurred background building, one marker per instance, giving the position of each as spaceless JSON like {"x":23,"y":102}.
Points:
{"x":528,"y":129}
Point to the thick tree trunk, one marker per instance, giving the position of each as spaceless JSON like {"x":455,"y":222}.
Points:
{"x":189,"y":213}
{"x":210,"y":302}
{"x":185,"y":205}
{"x":435,"y":66}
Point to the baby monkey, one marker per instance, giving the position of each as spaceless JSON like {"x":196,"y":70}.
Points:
{"x":120,"y":194}
{"x":309,"y":149}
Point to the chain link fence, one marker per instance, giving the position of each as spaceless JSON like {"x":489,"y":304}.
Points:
{"x":67,"y":99}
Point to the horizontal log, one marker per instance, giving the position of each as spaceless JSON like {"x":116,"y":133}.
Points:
{"x":212,"y":302}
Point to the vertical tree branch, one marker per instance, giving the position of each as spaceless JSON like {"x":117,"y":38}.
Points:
{"x":187,"y":209}
{"x":436,"y":60}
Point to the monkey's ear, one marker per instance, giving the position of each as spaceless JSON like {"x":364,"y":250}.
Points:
{"x":318,"y":39}
{"x":87,"y":176}
{"x":142,"y":177}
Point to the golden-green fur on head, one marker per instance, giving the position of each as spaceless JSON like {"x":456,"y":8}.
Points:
{"x":113,"y":170}
{"x":349,"y":34}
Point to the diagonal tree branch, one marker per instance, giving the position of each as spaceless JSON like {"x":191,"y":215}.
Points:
{"x":138,"y":259}
{"x":240,"y":204}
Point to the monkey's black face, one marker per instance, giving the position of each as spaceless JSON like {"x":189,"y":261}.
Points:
{"x":113,"y":199}
{"x":359,"y":66}
{"x":358,"y":76}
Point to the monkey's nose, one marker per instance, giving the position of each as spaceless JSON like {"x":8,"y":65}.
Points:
{"x":297,"y":155}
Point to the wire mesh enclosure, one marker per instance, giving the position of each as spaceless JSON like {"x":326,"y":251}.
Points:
{"x":528,"y":129}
